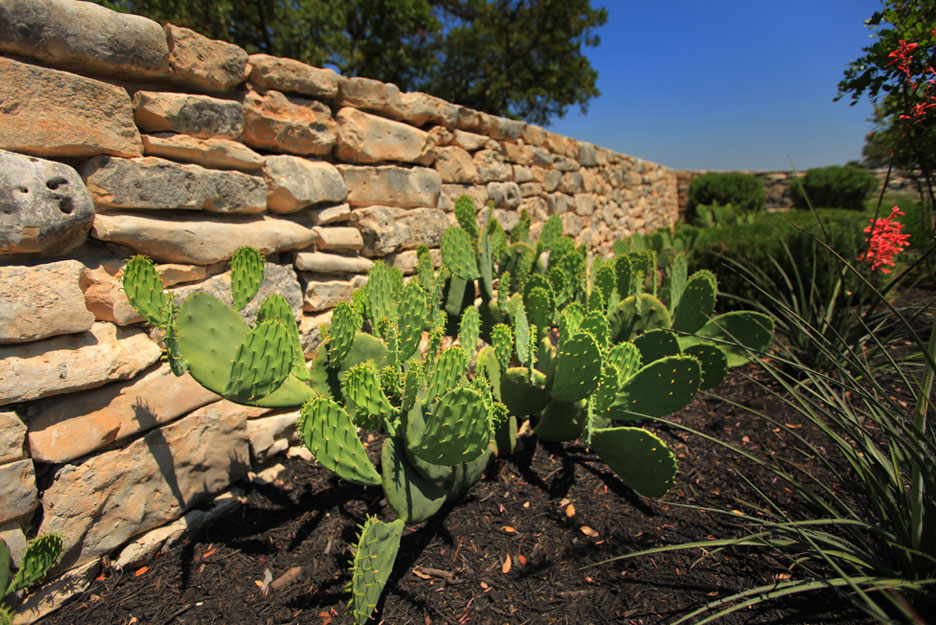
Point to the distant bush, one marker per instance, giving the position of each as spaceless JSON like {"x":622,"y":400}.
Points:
{"x":743,"y":191}
{"x":833,"y":187}
{"x":715,"y":215}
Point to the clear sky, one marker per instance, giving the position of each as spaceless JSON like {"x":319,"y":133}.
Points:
{"x":727,"y":84}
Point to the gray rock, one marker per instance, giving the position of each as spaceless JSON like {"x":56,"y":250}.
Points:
{"x":197,"y":115}
{"x":17,"y":489}
{"x":204,"y":63}
{"x":42,"y":301}
{"x":279,"y":74}
{"x":45,"y":207}
{"x":387,"y":229}
{"x":588,"y":154}
{"x":12,"y":436}
{"x":504,"y":194}
{"x":293,"y":183}
{"x":396,"y":186}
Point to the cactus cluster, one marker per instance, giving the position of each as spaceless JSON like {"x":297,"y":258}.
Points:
{"x":39,"y":557}
{"x":447,"y":405}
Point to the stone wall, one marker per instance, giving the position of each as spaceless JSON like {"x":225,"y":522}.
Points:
{"x":118,"y":137}
{"x":777,"y":186}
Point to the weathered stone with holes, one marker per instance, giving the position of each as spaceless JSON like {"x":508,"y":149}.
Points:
{"x":45,"y":209}
{"x":338,"y":238}
{"x":290,"y":124}
{"x":212,"y":153}
{"x":73,"y":362}
{"x":47,"y":112}
{"x":387,"y":229}
{"x":504,"y":194}
{"x":17,"y":489}
{"x":321,"y":262}
{"x":12,"y":437}
{"x":70,"y":426}
{"x":42,"y":301}
{"x":455,"y":165}
{"x":560,"y":203}
{"x":203,"y":63}
{"x":491,"y":166}
{"x":150,"y":183}
{"x":85,"y":37}
{"x":365,"y":138}
{"x":201,"y":240}
{"x":323,"y":292}
{"x":387,"y":184}
{"x":294,"y":183}
{"x":196,"y":115}
{"x":99,"y":504}
{"x":420,"y":108}
{"x":371,"y":95}
{"x":271,"y":73}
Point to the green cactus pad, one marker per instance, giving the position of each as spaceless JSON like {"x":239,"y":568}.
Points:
{"x":502,"y":342}
{"x":447,"y":372}
{"x":521,"y":396}
{"x":486,"y":266}
{"x":742,"y":335}
{"x":578,"y":368}
{"x":144,"y":289}
{"x":246,"y":275}
{"x":415,"y":428}
{"x":362,"y":390}
{"x":608,"y":387}
{"x":499,"y":243}
{"x":624,"y":276}
{"x":177,"y":363}
{"x":696,"y":303}
{"x":467,"y":215}
{"x":505,"y":435}
{"x":459,"y":255}
{"x":570,"y":319}
{"x":561,"y":421}
{"x":559,"y":282}
{"x":365,"y":347}
{"x":374,"y":555}
{"x":489,"y":368}
{"x":464,"y":475}
{"x":638,"y":457}
{"x":412,"y":322}
{"x":539,"y":305}
{"x":411,"y":386}
{"x":328,"y":432}
{"x":520,"y":260}
{"x":656,"y":344}
{"x":209,"y":333}
{"x":596,"y":324}
{"x":546,"y":357}
{"x":677,"y":279}
{"x":626,"y":357}
{"x":39,"y":557}
{"x":5,"y":571}
{"x":636,"y":314}
{"x":714,"y":364}
{"x":425,"y":269}
{"x":657,"y":389}
{"x":460,"y":295}
{"x":522,"y":337}
{"x":606,"y":281}
{"x":458,"y":428}
{"x":344,"y":324}
{"x":469,"y":330}
{"x":521,"y":232}
{"x":276,"y":307}
{"x":382,"y":297}
{"x":412,"y":497}
{"x":261,"y":363}
{"x":551,"y":232}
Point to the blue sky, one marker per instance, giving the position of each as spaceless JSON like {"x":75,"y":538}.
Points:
{"x":727,"y":84}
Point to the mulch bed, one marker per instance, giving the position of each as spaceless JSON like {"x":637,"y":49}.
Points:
{"x":518,"y":548}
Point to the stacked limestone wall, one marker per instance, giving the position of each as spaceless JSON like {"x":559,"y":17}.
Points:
{"x":121,"y":137}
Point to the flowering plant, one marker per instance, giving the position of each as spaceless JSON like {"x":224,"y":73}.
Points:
{"x":884,"y":241}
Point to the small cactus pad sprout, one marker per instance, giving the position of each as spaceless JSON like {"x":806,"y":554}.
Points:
{"x":696,"y":302}
{"x":37,"y":560}
{"x":502,"y":342}
{"x":361,"y":387}
{"x":261,"y":363}
{"x":344,"y":324}
{"x":144,"y":289}
{"x":638,"y":457}
{"x":246,"y":275}
{"x":469,"y":330}
{"x":458,"y":254}
{"x":328,"y":432}
{"x":373,"y":560}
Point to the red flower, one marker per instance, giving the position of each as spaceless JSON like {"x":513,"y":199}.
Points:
{"x":902,"y":57}
{"x":884,"y":241}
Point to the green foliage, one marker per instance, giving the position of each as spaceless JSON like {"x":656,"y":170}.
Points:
{"x":372,"y":563}
{"x":744,"y":191}
{"x":246,"y":275}
{"x":40,"y":556}
{"x":833,"y":187}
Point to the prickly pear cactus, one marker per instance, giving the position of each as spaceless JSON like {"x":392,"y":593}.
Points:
{"x":246,"y":275}
{"x":371,"y":565}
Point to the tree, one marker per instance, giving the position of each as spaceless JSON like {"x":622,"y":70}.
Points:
{"x":516,"y":58}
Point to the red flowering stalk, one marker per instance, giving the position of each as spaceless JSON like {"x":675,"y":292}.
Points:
{"x":884,"y":241}
{"x":902,"y":57}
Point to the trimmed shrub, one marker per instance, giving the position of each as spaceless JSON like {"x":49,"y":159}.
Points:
{"x":743,"y":191}
{"x":833,"y":187}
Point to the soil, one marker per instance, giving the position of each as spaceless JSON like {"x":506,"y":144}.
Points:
{"x":526,"y":545}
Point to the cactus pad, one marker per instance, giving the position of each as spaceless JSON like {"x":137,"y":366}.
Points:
{"x":656,"y":344}
{"x":596,"y":324}
{"x":551,"y":232}
{"x":578,"y":368}
{"x":344,"y":324}
{"x":209,"y":333}
{"x":740,"y":334}
{"x":502,"y":342}
{"x":362,"y":389}
{"x":261,"y":363}
{"x":696,"y":302}
{"x":458,"y":254}
{"x":636,"y":314}
{"x":606,"y":281}
{"x":447,"y":372}
{"x":466,"y":215}
{"x":412,"y":497}
{"x":521,"y":396}
{"x":457,"y":430}
{"x":538,"y":302}
{"x":658,"y":389}
{"x":328,"y":432}
{"x":627,"y":358}
{"x":144,"y":289}
{"x":561,"y":421}
{"x":638,"y":457}
{"x":522,"y":337}
{"x":246,"y":275}
{"x":412,"y":321}
{"x":464,"y":475}
{"x":714,"y":364}
{"x":382,"y":298}
{"x":373,"y":560}
{"x":469,"y":330}
{"x":38,"y":558}
{"x":276,"y":307}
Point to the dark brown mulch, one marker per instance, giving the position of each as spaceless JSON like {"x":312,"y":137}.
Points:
{"x":516,"y":549}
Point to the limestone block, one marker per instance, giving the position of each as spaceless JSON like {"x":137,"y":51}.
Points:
{"x":52,"y":595}
{"x":560,"y":203}
{"x":504,"y":194}
{"x":534,"y":135}
{"x":85,"y":37}
{"x":310,"y":331}
{"x":475,"y":121}
{"x":564,"y":163}
{"x":440,"y":135}
{"x":279,"y":279}
{"x":588,"y":154}
{"x":518,"y":153}
{"x":196,"y":115}
{"x":321,"y":262}
{"x":553,"y":180}
{"x":287,"y":75}
{"x":330,"y":214}
{"x":15,"y":540}
{"x":365,"y":138}
{"x":339,"y":238}
{"x":502,"y":128}
{"x":584,"y":204}
{"x":42,"y":301}
{"x":419,"y":108}
{"x":530,"y":189}
{"x":45,"y":206}
{"x":478,"y":193}
{"x":572,"y":224}
{"x":542,"y":157}
{"x":172,"y":274}
{"x":203,"y":63}
{"x":12,"y":437}
{"x":387,"y":229}
{"x":211,"y":153}
{"x":507,"y":218}
{"x":491,"y":166}
{"x":407,"y":261}
{"x":293,"y":183}
{"x":17,"y":489}
{"x":200,"y":240}
{"x":469,"y":140}
{"x":564,"y":146}
{"x":395,"y":186}
{"x":47,"y":112}
{"x":70,"y":426}
{"x":272,"y":435}
{"x":537,"y":208}
{"x":99,"y":504}
{"x":324,"y":292}
{"x":455,"y":164}
{"x":291,"y":124}
{"x":572,"y":182}
{"x":150,"y":183}
{"x":73,"y":362}
{"x":371,"y":95}
{"x":522,"y":173}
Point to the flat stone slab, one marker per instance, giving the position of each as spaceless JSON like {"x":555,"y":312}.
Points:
{"x":197,"y":115}
{"x":42,"y":301}
{"x":204,"y":63}
{"x":212,"y":153}
{"x":290,"y":124}
{"x":294,"y":183}
{"x":391,"y":185}
{"x":287,"y":75}
{"x":365,"y":138}
{"x":321,"y":262}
